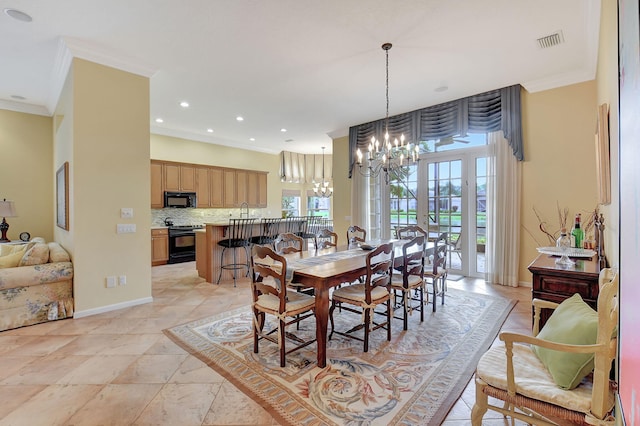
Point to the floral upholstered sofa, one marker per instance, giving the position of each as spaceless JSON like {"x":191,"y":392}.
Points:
{"x":36,"y":283}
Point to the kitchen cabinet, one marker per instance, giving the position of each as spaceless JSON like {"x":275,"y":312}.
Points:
{"x":159,"y":246}
{"x":203,"y":186}
{"x":556,"y":283}
{"x":157,"y":192}
{"x":242,"y":182}
{"x":179,"y":177}
{"x":215,"y":187}
{"x":229,"y":188}
{"x":216,"y":176}
{"x":262,"y":190}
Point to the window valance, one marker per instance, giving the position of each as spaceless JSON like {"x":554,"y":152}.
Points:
{"x":486,"y":112}
{"x":304,"y":168}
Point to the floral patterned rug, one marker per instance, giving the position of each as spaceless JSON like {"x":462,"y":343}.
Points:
{"x":414,"y":379}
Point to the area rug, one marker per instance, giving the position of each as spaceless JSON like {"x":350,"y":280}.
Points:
{"x":412,"y":380}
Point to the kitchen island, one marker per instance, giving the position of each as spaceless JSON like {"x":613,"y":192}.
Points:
{"x":208,"y":251}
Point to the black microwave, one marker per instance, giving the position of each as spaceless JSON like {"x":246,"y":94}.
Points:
{"x":180,"y":199}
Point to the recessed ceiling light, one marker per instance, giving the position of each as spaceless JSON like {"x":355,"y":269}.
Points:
{"x":252,"y":139}
{"x":210,"y":130}
{"x":442,"y":88}
{"x":239,"y":118}
{"x":18,"y":14}
{"x":184,"y":104}
{"x":18,"y":97}
{"x":283,"y":130}
{"x":159,"y":120}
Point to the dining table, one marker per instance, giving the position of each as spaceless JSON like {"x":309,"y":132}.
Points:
{"x":325,"y":269}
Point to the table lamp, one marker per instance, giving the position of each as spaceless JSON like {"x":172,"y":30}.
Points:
{"x":7,"y":209}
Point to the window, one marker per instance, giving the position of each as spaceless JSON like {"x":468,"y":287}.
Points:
{"x":318,"y":206}
{"x":403,"y":190}
{"x":290,"y":203}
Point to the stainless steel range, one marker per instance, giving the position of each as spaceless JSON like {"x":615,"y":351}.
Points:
{"x":182,"y":243}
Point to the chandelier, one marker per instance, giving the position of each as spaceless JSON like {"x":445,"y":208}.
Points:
{"x":386,"y":156}
{"x":322,"y":189}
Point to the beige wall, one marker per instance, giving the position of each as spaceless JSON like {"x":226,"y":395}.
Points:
{"x":25,"y":174}
{"x":341,"y":192}
{"x":559,"y":166}
{"x":109,"y":145}
{"x":607,"y":92}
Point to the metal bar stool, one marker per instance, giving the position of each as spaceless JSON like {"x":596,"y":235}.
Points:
{"x":269,"y":228}
{"x":239,"y":236}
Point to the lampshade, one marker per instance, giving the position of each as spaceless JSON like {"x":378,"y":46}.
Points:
{"x":7,"y":209}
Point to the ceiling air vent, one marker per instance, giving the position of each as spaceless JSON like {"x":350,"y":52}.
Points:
{"x":551,"y":40}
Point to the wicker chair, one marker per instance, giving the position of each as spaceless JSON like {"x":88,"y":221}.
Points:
{"x":514,"y":374}
{"x":276,"y":301}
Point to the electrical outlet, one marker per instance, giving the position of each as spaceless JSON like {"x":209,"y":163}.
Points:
{"x":122,"y":280}
{"x":126,"y":228}
{"x":126,"y":212}
{"x":111,"y":281}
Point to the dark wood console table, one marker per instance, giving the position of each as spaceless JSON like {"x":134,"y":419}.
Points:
{"x":555,"y":283}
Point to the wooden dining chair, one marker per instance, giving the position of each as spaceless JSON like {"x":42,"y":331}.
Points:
{"x":355,"y":235}
{"x":365,"y":297}
{"x":288,"y":242}
{"x":326,"y":238}
{"x":275,"y":300}
{"x":410,"y":281}
{"x":410,"y":231}
{"x":436,"y":270}
{"x":560,"y":375}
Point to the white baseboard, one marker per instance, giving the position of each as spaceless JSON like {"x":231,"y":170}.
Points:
{"x":114,"y":307}
{"x":525,"y":284}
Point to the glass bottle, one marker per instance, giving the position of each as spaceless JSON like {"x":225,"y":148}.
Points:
{"x":564,"y":244}
{"x":577,"y":234}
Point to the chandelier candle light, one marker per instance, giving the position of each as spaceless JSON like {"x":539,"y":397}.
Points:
{"x":322,"y":189}
{"x":387,"y":156}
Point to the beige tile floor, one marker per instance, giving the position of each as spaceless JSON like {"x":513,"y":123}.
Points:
{"x":118,"y":368}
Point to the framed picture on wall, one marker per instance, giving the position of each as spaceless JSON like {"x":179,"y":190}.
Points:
{"x":62,"y":196}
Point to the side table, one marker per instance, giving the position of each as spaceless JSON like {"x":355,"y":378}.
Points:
{"x":556,"y":283}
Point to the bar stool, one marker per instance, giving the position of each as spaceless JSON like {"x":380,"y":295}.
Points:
{"x":270,"y":228}
{"x":239,"y":236}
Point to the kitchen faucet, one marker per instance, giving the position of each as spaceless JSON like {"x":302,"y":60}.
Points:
{"x":244,"y":206}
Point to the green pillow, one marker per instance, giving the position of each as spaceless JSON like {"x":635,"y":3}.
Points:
{"x":572,"y":322}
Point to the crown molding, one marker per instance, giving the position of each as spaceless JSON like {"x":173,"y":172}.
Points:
{"x":69,"y":48}
{"x":340,"y":133}
{"x":23,"y":107}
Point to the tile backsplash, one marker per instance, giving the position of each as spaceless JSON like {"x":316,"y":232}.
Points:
{"x":200,"y":216}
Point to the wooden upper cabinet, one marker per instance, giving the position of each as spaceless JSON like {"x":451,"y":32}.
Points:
{"x":252,"y":189}
{"x":179,"y":177}
{"x":203,"y":186}
{"x":216,"y":184}
{"x":216,"y":187}
{"x":262,"y":190}
{"x":157,"y":194}
{"x":229,"y":188}
{"x":242,"y":179}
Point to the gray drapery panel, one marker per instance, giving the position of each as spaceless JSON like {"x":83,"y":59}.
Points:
{"x":486,"y":112}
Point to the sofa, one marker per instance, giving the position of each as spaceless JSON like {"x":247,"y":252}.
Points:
{"x":36,"y":283}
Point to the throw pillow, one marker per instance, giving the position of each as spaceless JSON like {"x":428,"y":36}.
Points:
{"x":572,"y":322}
{"x":36,"y":255}
{"x":10,"y":256}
